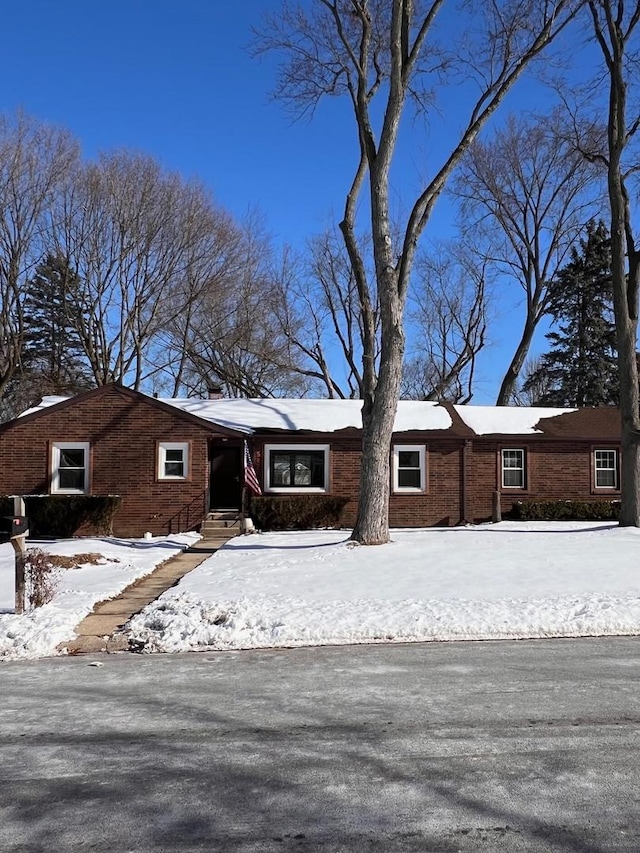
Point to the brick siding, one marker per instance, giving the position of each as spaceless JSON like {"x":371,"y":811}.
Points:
{"x":123,"y":433}
{"x":124,"y":429}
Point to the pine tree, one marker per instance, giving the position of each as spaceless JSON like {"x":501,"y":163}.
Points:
{"x":580,"y":369}
{"x":52,"y":358}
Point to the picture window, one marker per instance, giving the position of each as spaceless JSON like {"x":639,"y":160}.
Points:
{"x":303,"y":468}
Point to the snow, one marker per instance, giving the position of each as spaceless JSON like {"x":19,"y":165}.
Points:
{"x":510,"y":580}
{"x":299,"y":414}
{"x":318,"y":415}
{"x":506,"y":420}
{"x":50,"y":400}
{"x":38,"y":633}
{"x":249,"y":416}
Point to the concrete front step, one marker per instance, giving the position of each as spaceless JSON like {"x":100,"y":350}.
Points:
{"x":220,"y":524}
{"x":218,"y":536}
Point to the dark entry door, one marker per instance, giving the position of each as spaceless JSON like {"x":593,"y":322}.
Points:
{"x":226,"y":481}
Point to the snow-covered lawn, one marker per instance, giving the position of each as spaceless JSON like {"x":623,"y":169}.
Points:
{"x":291,"y":589}
{"x":77,"y":590}
{"x":511,"y":580}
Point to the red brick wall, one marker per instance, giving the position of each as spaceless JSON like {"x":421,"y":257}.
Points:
{"x":555,"y":470}
{"x":123,"y":433}
{"x":439,"y":505}
{"x":124,"y":430}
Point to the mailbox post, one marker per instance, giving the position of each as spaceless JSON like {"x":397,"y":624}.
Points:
{"x":18,"y":529}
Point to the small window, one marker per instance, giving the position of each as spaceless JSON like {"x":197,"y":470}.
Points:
{"x":409,"y":468}
{"x":513,"y":469}
{"x":606,"y":469}
{"x":173,"y":461}
{"x":304,"y":468}
{"x":70,"y":467}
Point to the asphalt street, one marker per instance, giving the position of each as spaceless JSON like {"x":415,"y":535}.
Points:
{"x":501,"y":746}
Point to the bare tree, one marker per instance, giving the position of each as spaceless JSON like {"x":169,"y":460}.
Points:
{"x":614,"y":27}
{"x":34,"y":161}
{"x":232,"y":331}
{"x":211,"y":264}
{"x":133,"y":234}
{"x":535,"y":384}
{"x":448,"y":307}
{"x":531,"y":190}
{"x":382,"y":55}
{"x":319,"y":313}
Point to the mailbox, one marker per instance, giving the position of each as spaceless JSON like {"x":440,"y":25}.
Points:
{"x":14,"y":525}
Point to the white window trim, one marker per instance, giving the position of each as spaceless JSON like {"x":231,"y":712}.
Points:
{"x":616,"y":474}
{"x":294,"y":448}
{"x":422,"y":450}
{"x":56,"y":447}
{"x":163,"y":446}
{"x":523,"y":469}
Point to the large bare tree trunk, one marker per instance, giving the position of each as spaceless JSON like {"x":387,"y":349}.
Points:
{"x":625,"y":302}
{"x":613,"y":31}
{"x":389,"y":51}
{"x":378,"y":416}
{"x":509,"y":383}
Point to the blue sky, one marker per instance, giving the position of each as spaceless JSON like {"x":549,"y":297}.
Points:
{"x":172,"y":79}
{"x":175,"y":80}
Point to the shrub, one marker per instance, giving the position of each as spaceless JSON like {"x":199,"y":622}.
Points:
{"x":566,"y":510}
{"x":63,"y":515}
{"x":39,"y":577}
{"x":297,"y":512}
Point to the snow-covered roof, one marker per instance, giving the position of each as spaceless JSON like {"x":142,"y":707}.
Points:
{"x":506,"y":420}
{"x":43,"y":404}
{"x":328,"y":416}
{"x":317,"y":415}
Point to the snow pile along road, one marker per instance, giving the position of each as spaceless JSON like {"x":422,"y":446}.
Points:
{"x":511,"y":580}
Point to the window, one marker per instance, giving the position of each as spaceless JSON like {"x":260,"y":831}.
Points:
{"x":513,"y":469}
{"x":409,"y":468}
{"x":173,"y":460}
{"x":304,"y":468}
{"x":606,"y":469}
{"x":70,"y":467}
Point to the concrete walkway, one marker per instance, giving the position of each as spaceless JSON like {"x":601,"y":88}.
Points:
{"x":100,"y":631}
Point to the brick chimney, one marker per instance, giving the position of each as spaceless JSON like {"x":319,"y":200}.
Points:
{"x":214,"y":392}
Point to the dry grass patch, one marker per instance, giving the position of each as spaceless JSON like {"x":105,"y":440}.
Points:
{"x":40,"y":568}
{"x":74,"y":561}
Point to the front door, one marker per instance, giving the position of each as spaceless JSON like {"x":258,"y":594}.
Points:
{"x":226,"y":481}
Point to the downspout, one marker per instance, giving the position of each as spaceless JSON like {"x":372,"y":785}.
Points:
{"x":464,"y":457}
{"x":207,"y":492}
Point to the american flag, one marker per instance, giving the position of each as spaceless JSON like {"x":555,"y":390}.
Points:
{"x":250,"y":477}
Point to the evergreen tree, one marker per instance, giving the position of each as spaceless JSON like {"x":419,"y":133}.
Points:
{"x":52,"y":358}
{"x":580,"y":369}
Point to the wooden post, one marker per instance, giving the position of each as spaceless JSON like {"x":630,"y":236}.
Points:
{"x":496,"y":509}
{"x":19,"y":547}
{"x":244,"y":508}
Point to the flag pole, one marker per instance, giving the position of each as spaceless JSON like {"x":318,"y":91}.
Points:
{"x":250,"y":482}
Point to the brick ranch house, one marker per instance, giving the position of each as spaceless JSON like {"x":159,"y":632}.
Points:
{"x":173,"y":460}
